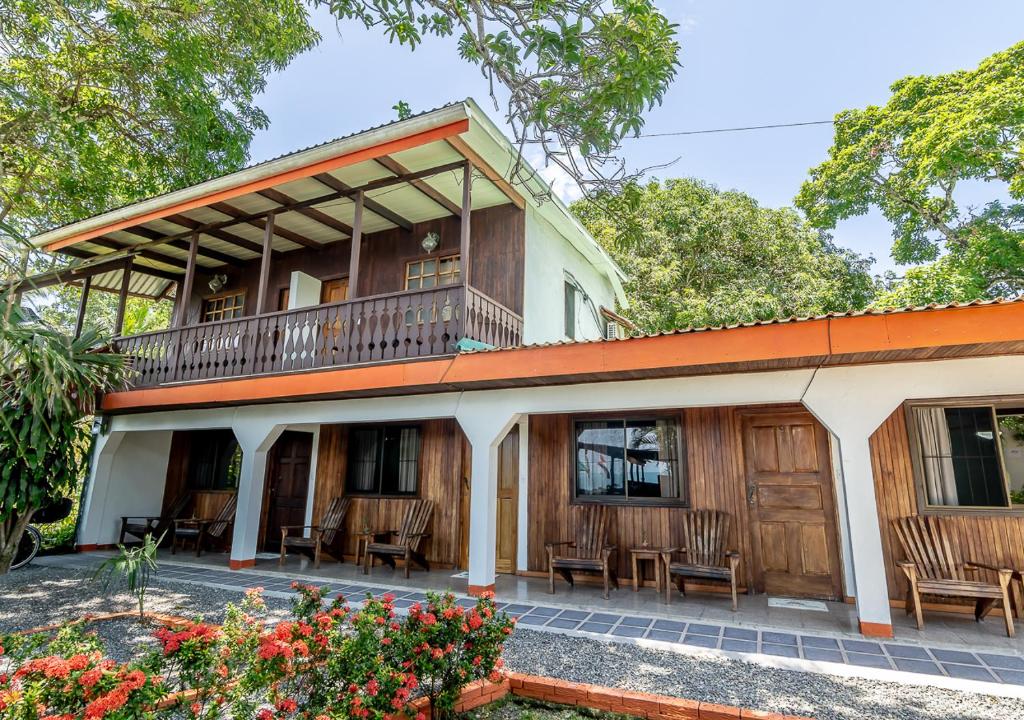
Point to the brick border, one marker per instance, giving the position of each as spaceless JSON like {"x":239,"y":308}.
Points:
{"x":598,"y":697}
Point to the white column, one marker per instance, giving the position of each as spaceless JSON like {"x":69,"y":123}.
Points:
{"x":523,"y":530}
{"x":94,"y":502}
{"x":255,"y":439}
{"x":485,"y":427}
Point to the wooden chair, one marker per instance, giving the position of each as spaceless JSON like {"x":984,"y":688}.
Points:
{"x":408,"y":540}
{"x":319,"y":535}
{"x":705,"y":533}
{"x":933,"y":567}
{"x":156,"y":525}
{"x":592,"y":551}
{"x":201,"y":529}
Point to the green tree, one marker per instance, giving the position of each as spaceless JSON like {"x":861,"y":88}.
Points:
{"x":48,"y":387}
{"x":910,"y":157}
{"x":697,"y":255}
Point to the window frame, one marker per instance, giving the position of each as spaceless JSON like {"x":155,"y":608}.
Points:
{"x":569,"y":298}
{"x":625,"y":500}
{"x":223,"y":296}
{"x":438,"y":259}
{"x":994,"y":403}
{"x":380,"y":428}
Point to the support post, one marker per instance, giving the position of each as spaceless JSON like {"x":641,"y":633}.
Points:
{"x":256,"y":440}
{"x":185,"y":288}
{"x":122,"y":299}
{"x":268,"y":249}
{"x":357,"y":241}
{"x":82,"y":303}
{"x":467,"y":206}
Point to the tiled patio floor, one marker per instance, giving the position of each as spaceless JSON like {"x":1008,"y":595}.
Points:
{"x":952,"y":647}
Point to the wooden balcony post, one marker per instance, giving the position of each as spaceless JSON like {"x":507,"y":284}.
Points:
{"x":268,"y":237}
{"x":122,"y":299}
{"x":185,"y":287}
{"x":467,"y":206}
{"x":82,"y":302}
{"x":357,"y":241}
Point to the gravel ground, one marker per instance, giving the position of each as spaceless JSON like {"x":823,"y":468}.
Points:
{"x":40,"y":595}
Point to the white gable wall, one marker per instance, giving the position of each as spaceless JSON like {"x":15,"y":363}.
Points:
{"x":548,"y":257}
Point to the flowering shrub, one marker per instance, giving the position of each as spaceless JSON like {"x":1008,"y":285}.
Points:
{"x":327,"y":662}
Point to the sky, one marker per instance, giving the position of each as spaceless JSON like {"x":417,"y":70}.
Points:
{"x":743,"y":62}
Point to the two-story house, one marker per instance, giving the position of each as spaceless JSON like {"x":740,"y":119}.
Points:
{"x":393,"y":316}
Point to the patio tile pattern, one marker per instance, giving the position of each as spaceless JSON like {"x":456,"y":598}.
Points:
{"x":888,"y":655}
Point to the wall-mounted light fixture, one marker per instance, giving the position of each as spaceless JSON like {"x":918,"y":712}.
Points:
{"x":430,"y":242}
{"x":217,"y":283}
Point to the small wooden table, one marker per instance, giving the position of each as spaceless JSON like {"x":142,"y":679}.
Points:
{"x":639,"y":554}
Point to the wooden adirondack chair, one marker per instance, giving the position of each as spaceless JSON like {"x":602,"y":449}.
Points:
{"x":408,"y":539}
{"x":704,"y":557}
{"x":319,"y":535}
{"x":155,"y":525}
{"x":593,"y":553}
{"x":201,"y":529}
{"x":933,"y":567}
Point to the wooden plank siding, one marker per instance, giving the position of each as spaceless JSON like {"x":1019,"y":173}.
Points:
{"x":993,"y":538}
{"x":498,"y":260}
{"x":202,"y":503}
{"x":714,"y":462}
{"x":440,"y":479}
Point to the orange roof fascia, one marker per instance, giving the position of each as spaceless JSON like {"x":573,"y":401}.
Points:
{"x":392,"y":146}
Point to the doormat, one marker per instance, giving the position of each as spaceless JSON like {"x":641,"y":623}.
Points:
{"x":464,"y":575}
{"x":795,"y":604}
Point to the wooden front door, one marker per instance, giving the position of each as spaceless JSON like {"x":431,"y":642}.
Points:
{"x":287,"y":485}
{"x":795,"y":545}
{"x":508,"y":502}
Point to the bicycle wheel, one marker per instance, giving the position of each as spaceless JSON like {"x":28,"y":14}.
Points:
{"x":27,"y":548}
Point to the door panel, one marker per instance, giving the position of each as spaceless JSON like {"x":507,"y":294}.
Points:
{"x":508,"y":502}
{"x":334,"y":290}
{"x":287,"y":485}
{"x":792,"y":514}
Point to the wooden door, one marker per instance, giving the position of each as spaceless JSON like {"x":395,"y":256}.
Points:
{"x":334,"y":290}
{"x":795,"y":544}
{"x":287,"y":485}
{"x":465,"y":486}
{"x":508,"y":502}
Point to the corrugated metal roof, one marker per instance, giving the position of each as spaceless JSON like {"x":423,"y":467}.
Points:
{"x":774,"y":321}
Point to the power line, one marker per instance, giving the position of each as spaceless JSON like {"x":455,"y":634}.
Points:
{"x":736,"y":129}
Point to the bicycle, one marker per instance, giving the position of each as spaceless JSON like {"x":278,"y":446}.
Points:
{"x":32,"y":539}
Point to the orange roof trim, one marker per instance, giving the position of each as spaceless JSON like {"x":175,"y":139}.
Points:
{"x":392,"y":146}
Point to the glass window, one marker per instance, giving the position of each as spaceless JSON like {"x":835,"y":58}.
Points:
{"x":383,"y":460}
{"x":963,"y":452}
{"x":624,"y":460}
{"x":223,"y":307}
{"x":569,"y":300}
{"x":215,"y":460}
{"x":432,"y":272}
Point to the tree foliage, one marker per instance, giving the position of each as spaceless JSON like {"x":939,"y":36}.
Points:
{"x":104,"y":102}
{"x":697,"y":256}
{"x":579,"y":73}
{"x":48,"y":386}
{"x":912,"y":159}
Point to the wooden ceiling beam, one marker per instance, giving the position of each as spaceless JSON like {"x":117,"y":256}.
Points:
{"x":368,"y":203}
{"x":462,"y":148}
{"x":261,"y":222}
{"x":204,"y":228}
{"x":312,"y":213}
{"x":393,"y":166}
{"x":217,"y":255}
{"x":112,"y":244}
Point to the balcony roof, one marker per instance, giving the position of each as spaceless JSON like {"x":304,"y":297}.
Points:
{"x":311,"y":193}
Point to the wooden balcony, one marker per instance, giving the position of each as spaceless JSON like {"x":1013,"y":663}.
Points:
{"x":381,"y":328}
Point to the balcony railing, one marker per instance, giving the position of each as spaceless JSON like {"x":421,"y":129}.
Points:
{"x":381,"y":328}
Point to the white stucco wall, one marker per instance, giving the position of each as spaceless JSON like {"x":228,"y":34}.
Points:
{"x":129,"y":473}
{"x":548,"y":257}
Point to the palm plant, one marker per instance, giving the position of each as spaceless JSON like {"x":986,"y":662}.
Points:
{"x":49,"y":383}
{"x":134,"y":565}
